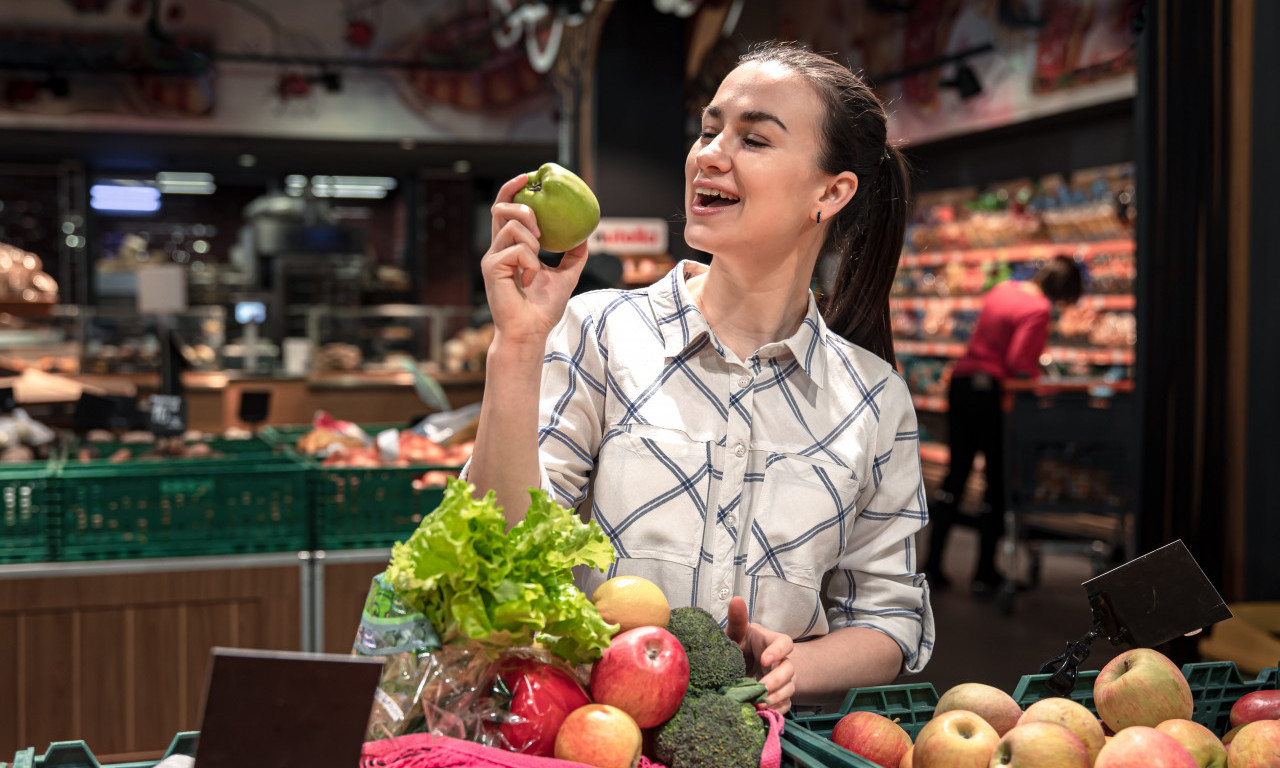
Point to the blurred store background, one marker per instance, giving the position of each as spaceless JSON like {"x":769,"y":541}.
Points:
{"x":249,"y":212}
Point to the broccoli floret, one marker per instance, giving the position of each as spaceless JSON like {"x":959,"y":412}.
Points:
{"x":715,"y":661}
{"x":711,"y":731}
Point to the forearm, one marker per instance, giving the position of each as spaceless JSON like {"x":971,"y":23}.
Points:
{"x":854,"y":657}
{"x":506,"y":450}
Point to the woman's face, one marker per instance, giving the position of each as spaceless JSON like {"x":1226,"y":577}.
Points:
{"x":752,"y":182}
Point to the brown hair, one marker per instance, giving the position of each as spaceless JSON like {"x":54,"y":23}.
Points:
{"x":1060,"y":279}
{"x":868,"y":232}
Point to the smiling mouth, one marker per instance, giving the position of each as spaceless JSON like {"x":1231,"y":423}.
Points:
{"x":713,"y":198}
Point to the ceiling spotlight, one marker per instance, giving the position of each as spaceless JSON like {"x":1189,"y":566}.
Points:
{"x":965,"y":82}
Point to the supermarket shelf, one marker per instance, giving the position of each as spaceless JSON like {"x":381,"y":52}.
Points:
{"x":1014,"y":253}
{"x":1116,"y":302}
{"x":1093,"y":355}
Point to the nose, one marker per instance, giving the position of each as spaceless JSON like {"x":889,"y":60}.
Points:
{"x":711,"y":156}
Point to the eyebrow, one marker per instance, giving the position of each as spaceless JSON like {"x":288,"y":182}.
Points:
{"x":750,"y":116}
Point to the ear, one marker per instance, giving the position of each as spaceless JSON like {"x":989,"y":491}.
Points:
{"x":839,"y":190}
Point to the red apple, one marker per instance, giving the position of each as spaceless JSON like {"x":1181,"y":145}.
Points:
{"x":955,"y":739}
{"x":1141,"y":687}
{"x":1073,"y":716}
{"x":1140,"y":746}
{"x":1257,"y":745}
{"x":988,"y":702}
{"x":542,"y":695}
{"x":599,"y":735}
{"x":873,"y":736}
{"x":644,"y":672}
{"x":1258,"y":705}
{"x":1040,"y":745}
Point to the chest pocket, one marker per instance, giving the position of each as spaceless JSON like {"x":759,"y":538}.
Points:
{"x":651,"y":491}
{"x":805,"y":515}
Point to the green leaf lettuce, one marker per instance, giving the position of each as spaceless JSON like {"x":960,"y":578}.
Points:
{"x":476,"y":583}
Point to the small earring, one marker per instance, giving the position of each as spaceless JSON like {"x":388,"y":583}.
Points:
{"x":818,"y":220}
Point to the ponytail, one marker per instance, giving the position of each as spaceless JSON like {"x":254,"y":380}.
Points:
{"x":868,"y":239}
{"x":867,"y":234}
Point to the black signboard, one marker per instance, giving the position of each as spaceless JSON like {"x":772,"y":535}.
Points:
{"x":167,"y":415}
{"x":255,"y":405}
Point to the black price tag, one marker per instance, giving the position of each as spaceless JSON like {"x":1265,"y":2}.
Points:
{"x":167,"y":415}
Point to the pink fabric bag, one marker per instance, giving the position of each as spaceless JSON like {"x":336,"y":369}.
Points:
{"x":425,"y":750}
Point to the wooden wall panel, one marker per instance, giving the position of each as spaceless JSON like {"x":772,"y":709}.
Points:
{"x":345,"y":588}
{"x":120,"y":660}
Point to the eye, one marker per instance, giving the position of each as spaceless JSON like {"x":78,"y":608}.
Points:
{"x":707,"y":135}
{"x":754,"y":143}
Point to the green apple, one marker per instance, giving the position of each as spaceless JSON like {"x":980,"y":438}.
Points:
{"x":567,"y":210}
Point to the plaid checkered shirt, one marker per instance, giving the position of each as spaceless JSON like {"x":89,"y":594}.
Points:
{"x":791,"y":478}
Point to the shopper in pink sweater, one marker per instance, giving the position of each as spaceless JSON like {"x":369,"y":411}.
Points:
{"x":1006,"y":344}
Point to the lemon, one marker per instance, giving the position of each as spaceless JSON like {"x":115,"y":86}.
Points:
{"x":630,"y":602}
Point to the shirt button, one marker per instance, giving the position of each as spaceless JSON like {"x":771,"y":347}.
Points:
{"x":744,"y":382}
{"x":723,"y":594}
{"x":740,"y":450}
{"x":731,"y":521}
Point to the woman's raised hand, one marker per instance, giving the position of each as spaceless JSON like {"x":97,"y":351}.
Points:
{"x":526,"y":297}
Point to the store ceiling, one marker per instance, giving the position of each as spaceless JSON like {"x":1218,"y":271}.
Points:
{"x":222,"y":155}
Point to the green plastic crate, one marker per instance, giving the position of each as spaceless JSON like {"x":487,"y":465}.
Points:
{"x":28,"y":513}
{"x":76,"y":754}
{"x":251,"y":446}
{"x":1215,"y":686}
{"x":183,"y":507}
{"x":370,"y":507}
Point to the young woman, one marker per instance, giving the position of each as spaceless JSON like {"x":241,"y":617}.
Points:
{"x":745,"y":451}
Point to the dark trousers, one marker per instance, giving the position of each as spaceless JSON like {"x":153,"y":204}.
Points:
{"x":974,"y":423}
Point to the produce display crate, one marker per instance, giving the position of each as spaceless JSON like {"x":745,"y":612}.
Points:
{"x":29,"y":510}
{"x":286,"y":435}
{"x":230,"y":449}
{"x":76,"y":754}
{"x":183,"y":507}
{"x":1215,"y":686}
{"x":369,"y":507}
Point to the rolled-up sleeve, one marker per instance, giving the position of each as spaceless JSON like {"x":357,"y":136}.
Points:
{"x":876,"y":584}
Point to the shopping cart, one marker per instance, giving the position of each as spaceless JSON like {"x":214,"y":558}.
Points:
{"x":1070,"y":466}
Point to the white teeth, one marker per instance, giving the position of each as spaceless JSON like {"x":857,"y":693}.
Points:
{"x":714,"y":193}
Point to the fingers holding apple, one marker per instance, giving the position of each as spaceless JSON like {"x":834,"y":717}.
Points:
{"x":567,"y":210}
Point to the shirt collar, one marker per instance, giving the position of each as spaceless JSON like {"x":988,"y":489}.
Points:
{"x":682,"y":324}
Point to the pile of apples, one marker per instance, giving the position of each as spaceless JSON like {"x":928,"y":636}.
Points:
{"x":1144,"y":707}
{"x":638,"y":683}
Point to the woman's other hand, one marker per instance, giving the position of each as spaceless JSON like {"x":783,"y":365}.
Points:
{"x":766,"y":652}
{"x":526,"y":297}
